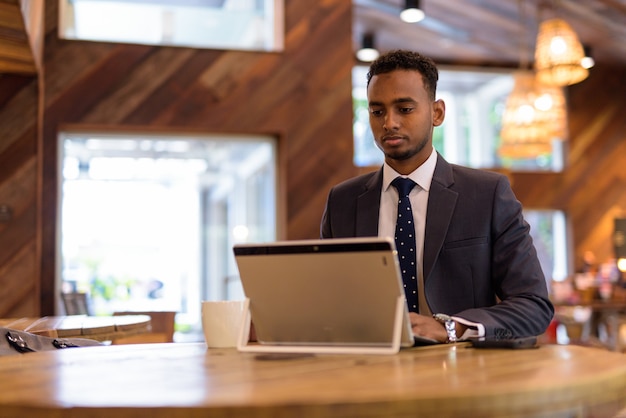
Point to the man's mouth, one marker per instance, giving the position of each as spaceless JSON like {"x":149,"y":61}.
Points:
{"x":393,"y":140}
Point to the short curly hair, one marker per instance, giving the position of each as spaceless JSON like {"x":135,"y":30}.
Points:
{"x":407,"y":60}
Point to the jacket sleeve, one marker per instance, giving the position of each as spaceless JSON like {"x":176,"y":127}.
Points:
{"x":523,"y":307}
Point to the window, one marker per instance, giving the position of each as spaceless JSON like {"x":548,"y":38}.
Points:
{"x":148,"y":222}
{"x":219,"y":24}
{"x":470,"y":134}
{"x":548,"y":229}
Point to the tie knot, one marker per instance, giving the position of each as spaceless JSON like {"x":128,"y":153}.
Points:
{"x":403,"y":185}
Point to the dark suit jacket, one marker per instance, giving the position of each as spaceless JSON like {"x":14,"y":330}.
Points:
{"x":479,"y":259}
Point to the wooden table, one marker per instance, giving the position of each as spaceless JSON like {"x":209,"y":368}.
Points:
{"x":101,"y":328}
{"x":187,"y":380}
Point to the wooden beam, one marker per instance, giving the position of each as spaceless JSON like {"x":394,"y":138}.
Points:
{"x":16,"y":55}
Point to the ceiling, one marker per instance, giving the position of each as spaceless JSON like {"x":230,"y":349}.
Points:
{"x":491,"y":32}
{"x":499,"y":33}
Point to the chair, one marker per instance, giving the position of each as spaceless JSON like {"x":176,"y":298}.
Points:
{"x":76,"y":303}
{"x":162,"y":328}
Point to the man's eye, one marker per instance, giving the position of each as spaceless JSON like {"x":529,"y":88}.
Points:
{"x":406,"y":109}
{"x":376,"y":112}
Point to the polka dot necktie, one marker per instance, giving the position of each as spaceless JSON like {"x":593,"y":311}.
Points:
{"x":405,"y":240}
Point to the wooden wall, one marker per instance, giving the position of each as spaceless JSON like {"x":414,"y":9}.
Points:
{"x":302,"y":95}
{"x":19,"y":165}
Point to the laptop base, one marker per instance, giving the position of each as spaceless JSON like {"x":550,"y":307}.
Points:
{"x":243,"y":344}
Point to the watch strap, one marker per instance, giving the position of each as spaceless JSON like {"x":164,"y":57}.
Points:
{"x":449,"y":324}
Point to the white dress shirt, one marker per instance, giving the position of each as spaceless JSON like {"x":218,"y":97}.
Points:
{"x":422,"y":176}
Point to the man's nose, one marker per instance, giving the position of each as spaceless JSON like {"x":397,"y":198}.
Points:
{"x":390,"y":122}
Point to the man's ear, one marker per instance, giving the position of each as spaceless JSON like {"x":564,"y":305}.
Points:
{"x":439,"y":112}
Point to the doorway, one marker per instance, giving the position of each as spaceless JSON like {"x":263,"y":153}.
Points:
{"x":148,"y":222}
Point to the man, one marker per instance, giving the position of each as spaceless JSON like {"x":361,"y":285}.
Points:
{"x":477,"y":269}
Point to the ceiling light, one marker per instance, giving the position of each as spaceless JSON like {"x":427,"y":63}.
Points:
{"x":412,"y":12}
{"x":368,"y":52}
{"x":559,"y":54}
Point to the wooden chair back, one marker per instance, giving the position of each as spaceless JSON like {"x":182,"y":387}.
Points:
{"x":76,"y":303}
{"x":162,"y":328}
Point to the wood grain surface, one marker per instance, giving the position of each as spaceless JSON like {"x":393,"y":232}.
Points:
{"x":101,"y":328}
{"x":187,"y":380}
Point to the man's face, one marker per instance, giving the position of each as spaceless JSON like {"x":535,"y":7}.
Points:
{"x":402,"y":118}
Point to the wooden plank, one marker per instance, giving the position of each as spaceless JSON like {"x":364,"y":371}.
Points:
{"x":18,"y":116}
{"x":169,"y":104}
{"x":140,"y":83}
{"x":16,"y":55}
{"x":19,"y":293}
{"x":17,"y":155}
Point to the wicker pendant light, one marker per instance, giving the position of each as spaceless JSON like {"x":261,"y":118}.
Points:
{"x":558,"y":54}
{"x":534,"y":116}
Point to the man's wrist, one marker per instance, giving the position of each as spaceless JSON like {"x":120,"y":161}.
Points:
{"x":449,"y":324}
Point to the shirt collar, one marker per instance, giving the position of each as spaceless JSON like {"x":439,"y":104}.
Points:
{"x":422,"y":175}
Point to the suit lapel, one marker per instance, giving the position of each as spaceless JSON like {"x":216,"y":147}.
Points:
{"x":367,"y":207}
{"x":441,"y":203}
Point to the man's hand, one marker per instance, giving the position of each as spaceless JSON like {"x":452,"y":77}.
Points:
{"x":426,"y":326}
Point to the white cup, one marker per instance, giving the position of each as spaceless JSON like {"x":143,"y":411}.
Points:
{"x":221,"y":322}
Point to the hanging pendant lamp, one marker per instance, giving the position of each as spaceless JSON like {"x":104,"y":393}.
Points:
{"x":367,"y":52}
{"x":412,"y":13}
{"x":558,"y":54}
{"x":535,"y":115}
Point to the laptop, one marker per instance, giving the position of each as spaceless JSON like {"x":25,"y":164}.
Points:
{"x":324,"y":296}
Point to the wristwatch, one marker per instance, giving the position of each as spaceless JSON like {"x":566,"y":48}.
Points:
{"x":449,"y":324}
